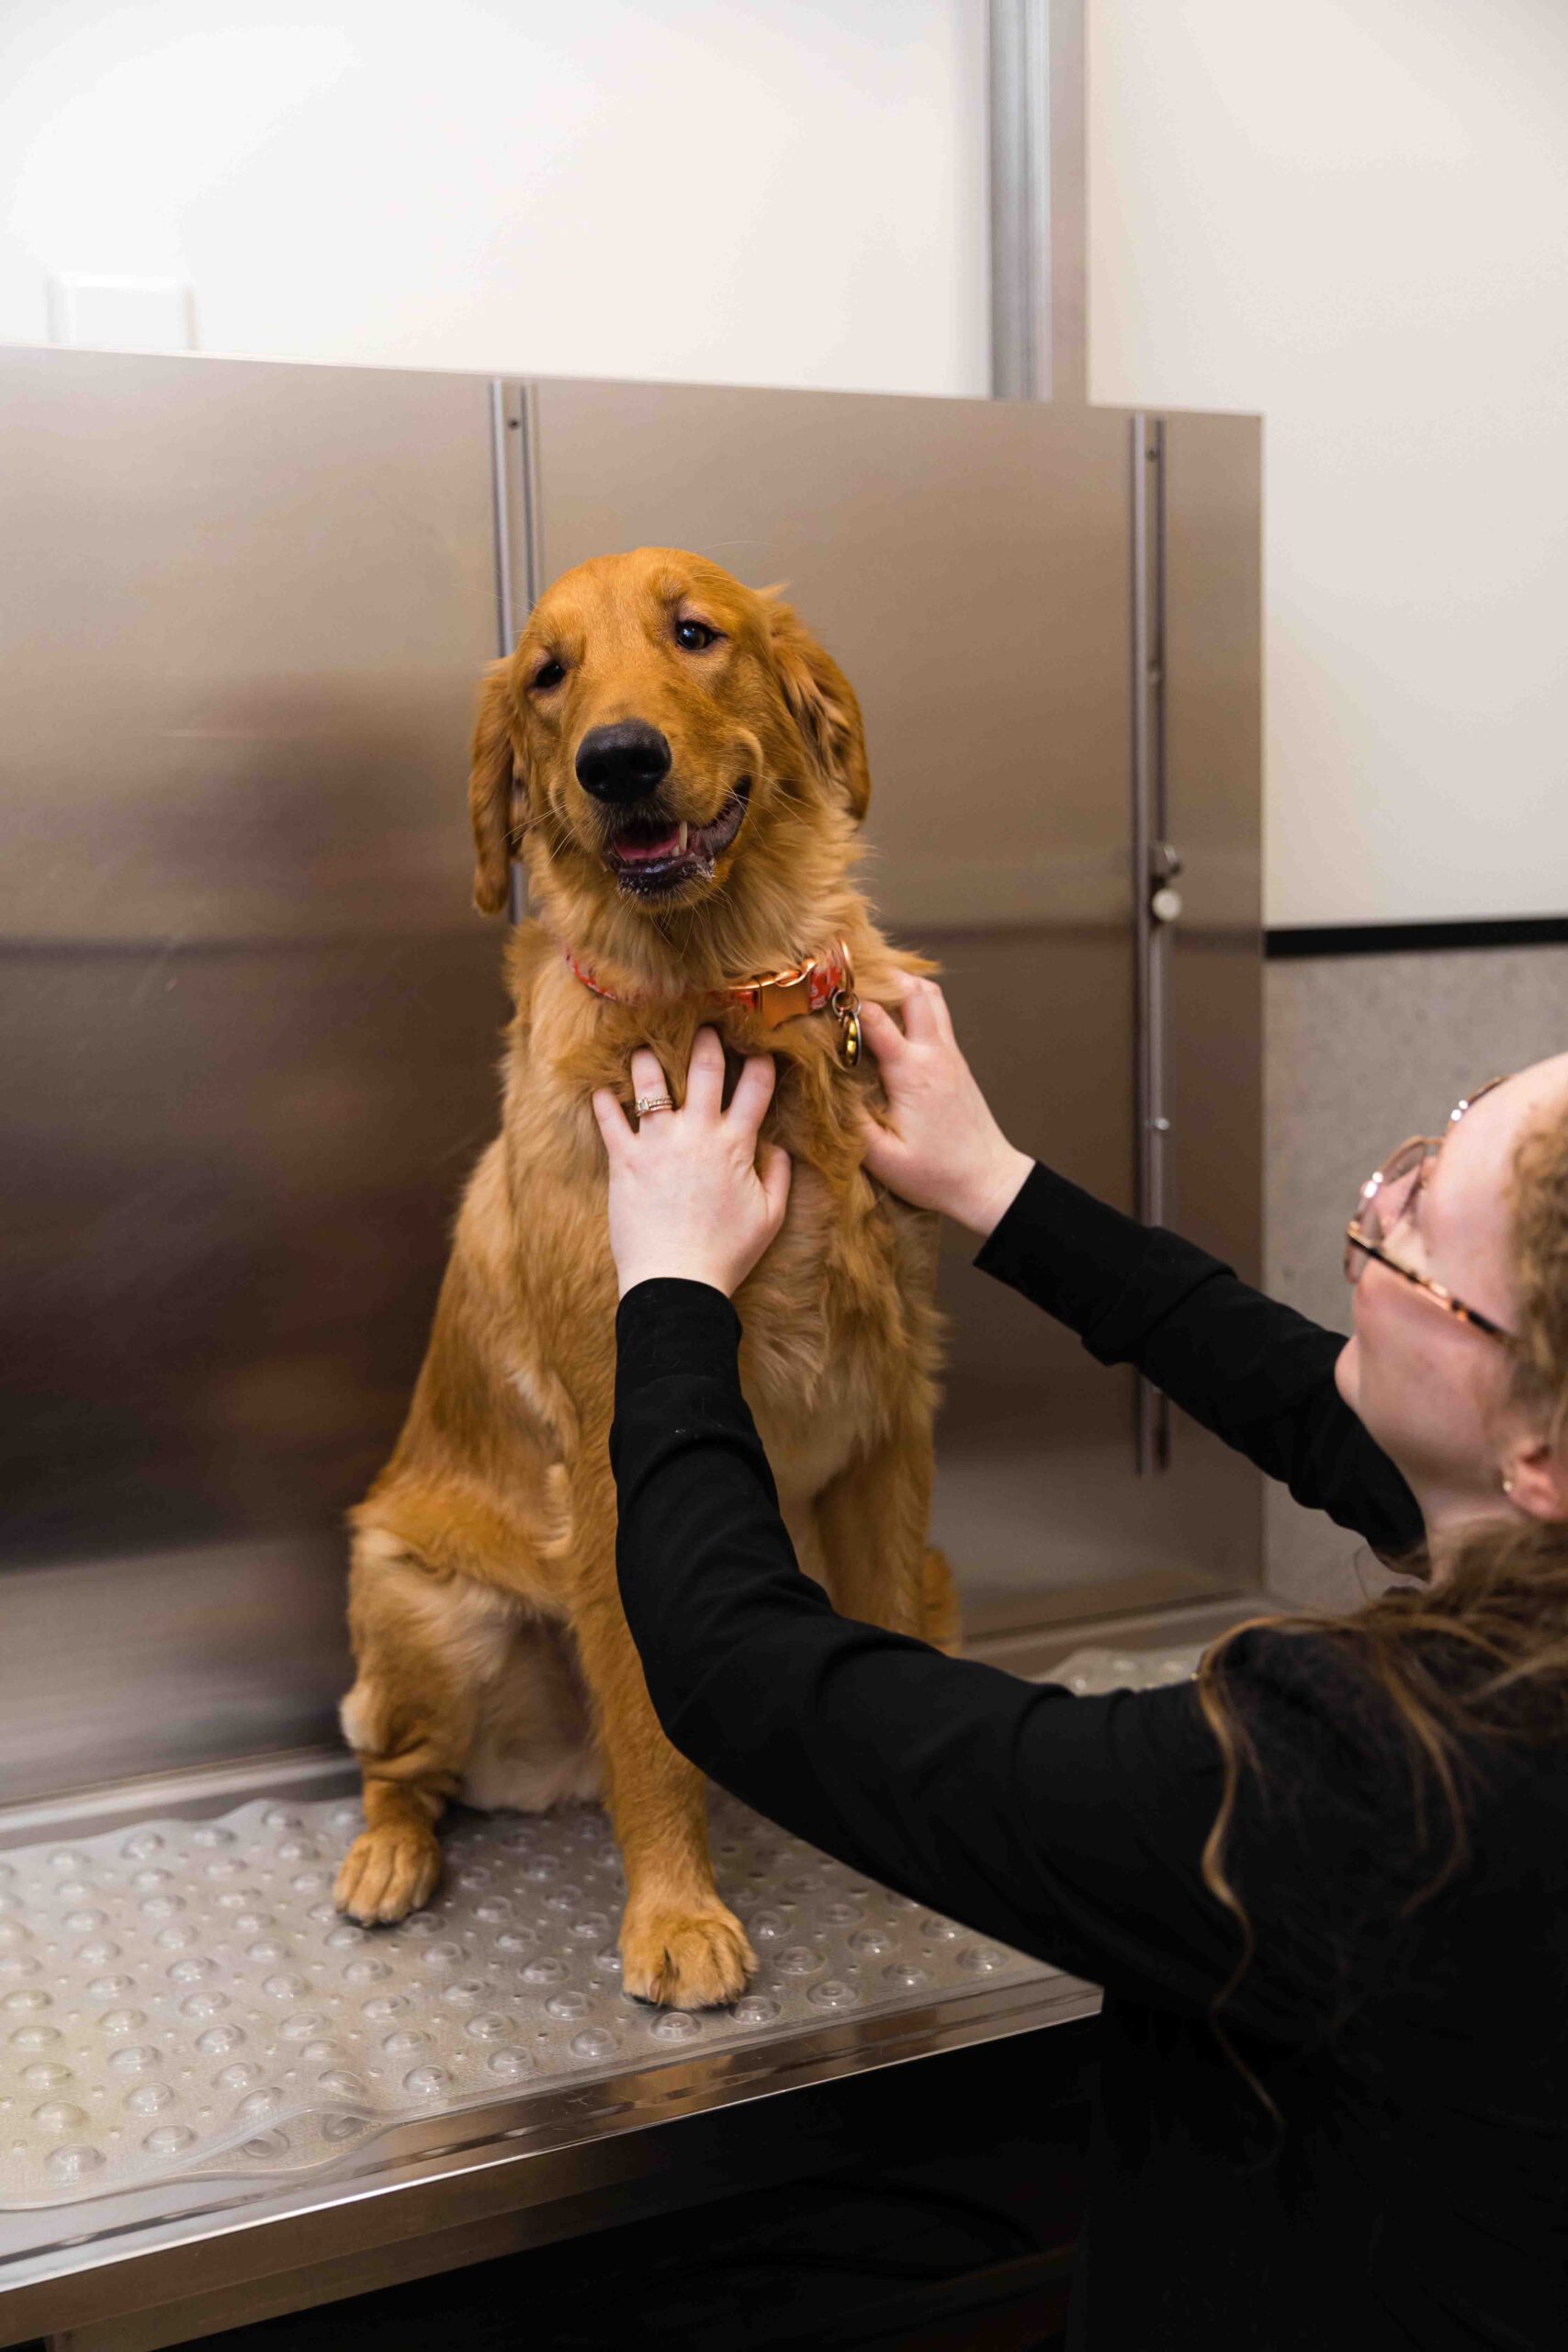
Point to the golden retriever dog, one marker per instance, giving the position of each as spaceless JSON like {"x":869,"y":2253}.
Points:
{"x":682,"y":770}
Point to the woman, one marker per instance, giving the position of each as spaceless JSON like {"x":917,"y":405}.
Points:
{"x":1323,"y":1887}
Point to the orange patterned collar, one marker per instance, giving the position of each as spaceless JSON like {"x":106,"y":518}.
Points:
{"x":822,"y":984}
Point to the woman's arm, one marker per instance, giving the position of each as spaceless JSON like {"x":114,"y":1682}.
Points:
{"x":1070,"y":1828}
{"x":1257,"y":1373}
{"x":929,"y":1772}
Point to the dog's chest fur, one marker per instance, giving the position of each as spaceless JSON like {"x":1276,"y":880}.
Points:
{"x":840,"y":1331}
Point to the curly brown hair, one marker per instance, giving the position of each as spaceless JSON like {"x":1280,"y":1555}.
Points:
{"x":1484,"y":1654}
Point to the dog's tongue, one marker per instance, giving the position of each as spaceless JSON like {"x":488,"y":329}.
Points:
{"x":636,"y":852}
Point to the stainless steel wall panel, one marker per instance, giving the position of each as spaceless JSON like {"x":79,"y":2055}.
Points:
{"x":1213,"y":781}
{"x":122,"y":1665}
{"x":226,"y":1204}
{"x":248,"y":1018}
{"x":1037,"y":1498}
{"x":965,"y":561}
{"x":242,"y":610}
{"x":1213,"y":757}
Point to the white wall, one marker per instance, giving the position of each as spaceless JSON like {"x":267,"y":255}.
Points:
{"x":1353,"y":215}
{"x":763,"y":191}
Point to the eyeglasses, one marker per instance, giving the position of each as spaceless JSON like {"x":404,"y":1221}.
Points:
{"x":1388,"y":1201}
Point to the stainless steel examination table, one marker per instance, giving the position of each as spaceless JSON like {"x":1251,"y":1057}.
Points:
{"x":221,"y":2100}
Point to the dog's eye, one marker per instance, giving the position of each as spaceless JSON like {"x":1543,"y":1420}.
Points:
{"x":548,"y":673}
{"x":695,"y":636}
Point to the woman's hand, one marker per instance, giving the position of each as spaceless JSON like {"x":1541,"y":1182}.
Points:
{"x":941,"y":1149}
{"x":693,"y":1191}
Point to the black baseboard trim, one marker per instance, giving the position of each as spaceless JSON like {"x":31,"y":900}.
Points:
{"x":1288,"y":945}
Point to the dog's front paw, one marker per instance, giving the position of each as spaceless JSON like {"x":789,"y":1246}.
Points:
{"x":387,"y":1873}
{"x":685,"y":1958}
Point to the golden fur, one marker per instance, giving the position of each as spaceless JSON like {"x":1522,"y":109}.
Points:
{"x":493,"y":1659}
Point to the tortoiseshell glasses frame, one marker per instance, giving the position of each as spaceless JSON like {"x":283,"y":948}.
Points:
{"x":1387,"y":1197}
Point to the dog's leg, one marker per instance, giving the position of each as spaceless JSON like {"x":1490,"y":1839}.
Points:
{"x":872,"y":1519}
{"x":425,"y":1644}
{"x":680,"y":1946}
{"x":533,"y":1746}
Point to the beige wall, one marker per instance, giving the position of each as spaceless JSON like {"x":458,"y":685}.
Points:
{"x":1352,"y":215}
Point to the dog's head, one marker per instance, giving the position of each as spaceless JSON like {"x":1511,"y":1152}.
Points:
{"x":657,"y":724}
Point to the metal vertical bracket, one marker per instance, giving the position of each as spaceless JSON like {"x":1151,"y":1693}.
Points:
{"x":1154,"y":867}
{"x":1039,"y":247}
{"x":514,"y":491}
{"x":1020,"y":199}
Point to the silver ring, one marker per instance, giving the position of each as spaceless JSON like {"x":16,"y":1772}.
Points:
{"x":646,"y":1103}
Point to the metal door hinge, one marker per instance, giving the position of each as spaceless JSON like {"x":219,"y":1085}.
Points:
{"x":1155,"y":865}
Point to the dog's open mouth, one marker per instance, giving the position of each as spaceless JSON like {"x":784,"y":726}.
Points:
{"x":650,"y":857}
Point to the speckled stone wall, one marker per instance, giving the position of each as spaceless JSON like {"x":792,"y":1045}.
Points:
{"x":1361,"y":1051}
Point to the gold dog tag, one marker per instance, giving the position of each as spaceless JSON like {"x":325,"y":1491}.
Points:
{"x":846,"y":1004}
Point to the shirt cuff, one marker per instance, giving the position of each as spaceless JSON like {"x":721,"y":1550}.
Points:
{"x":671,"y":1324}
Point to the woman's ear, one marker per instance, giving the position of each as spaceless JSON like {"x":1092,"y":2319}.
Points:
{"x":1535,"y":1476}
{"x":492,"y":772}
{"x":822,"y":703}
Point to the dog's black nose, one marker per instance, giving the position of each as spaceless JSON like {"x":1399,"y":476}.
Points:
{"x":624,"y":761}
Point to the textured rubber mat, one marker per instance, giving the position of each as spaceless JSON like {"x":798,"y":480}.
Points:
{"x":181,"y":1998}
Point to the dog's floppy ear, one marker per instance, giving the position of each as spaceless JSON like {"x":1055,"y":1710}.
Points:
{"x":491,"y":773}
{"x":822,"y":703}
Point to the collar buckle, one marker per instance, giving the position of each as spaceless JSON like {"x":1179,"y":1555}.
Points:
{"x":782,"y":997}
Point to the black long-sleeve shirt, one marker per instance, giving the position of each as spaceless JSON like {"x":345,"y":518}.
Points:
{"x":1413,"y":2191}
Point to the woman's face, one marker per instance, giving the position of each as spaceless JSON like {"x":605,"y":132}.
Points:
{"x":1433,"y":1391}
